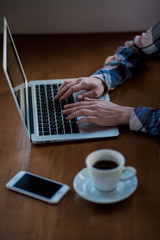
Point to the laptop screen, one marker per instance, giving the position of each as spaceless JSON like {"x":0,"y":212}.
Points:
{"x":14,"y":73}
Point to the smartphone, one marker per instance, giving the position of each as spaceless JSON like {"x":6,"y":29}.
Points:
{"x":38,"y":187}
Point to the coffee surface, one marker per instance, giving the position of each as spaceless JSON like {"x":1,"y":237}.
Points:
{"x":105,"y":164}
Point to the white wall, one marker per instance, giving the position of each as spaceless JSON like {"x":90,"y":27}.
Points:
{"x":79,"y":16}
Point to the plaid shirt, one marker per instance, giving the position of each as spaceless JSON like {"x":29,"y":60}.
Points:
{"x":128,"y":61}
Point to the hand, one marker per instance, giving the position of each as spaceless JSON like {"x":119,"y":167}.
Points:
{"x":100,"y":112}
{"x":94,"y":88}
{"x":112,"y":58}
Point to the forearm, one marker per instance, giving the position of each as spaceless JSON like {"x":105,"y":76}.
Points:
{"x":129,"y":60}
{"x":146,"y":120}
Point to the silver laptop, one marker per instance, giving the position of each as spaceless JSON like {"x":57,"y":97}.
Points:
{"x":40,"y":113}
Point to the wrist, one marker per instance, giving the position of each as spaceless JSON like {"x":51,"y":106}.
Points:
{"x":125,"y":115}
{"x":103,"y":84}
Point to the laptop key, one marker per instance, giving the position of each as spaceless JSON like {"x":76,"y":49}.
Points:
{"x":46,"y":125}
{"x":46,"y":129}
{"x":75,"y":130}
{"x":60,"y":131}
{"x":67,"y":130}
{"x":47,"y":133}
{"x":53,"y":131}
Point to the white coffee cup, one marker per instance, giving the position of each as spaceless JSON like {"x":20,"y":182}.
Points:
{"x":107,"y":179}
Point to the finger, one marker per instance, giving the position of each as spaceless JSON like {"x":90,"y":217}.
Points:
{"x":79,"y":113}
{"x":69,"y":87}
{"x":89,"y":94}
{"x":91,"y":119}
{"x":80,"y":86}
{"x":65,"y":83}
{"x":94,"y":102}
{"x":77,"y":104}
{"x":75,"y":86}
{"x":90,"y":99}
{"x":67,"y":92}
{"x":63,"y":88}
{"x":74,"y":109}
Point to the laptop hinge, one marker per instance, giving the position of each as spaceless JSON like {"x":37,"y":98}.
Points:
{"x":30,"y":110}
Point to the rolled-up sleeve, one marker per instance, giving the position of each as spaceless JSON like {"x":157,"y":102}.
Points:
{"x":146,"y":120}
{"x":117,"y":72}
{"x":130,"y":58}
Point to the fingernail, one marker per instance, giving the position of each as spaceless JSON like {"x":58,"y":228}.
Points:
{"x":80,"y":97}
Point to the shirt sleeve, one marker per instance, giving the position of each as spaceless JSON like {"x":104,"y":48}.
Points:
{"x":146,"y":120}
{"x":130,"y":59}
{"x":149,"y":42}
{"x":128,"y":62}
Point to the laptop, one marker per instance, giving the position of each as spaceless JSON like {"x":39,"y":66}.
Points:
{"x":40,"y":113}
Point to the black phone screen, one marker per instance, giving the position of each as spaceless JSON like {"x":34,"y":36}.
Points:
{"x":37,"y":185}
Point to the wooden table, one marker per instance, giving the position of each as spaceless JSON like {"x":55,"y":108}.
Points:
{"x":21,"y":217}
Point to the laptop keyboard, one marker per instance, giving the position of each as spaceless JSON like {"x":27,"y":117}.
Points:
{"x":51,"y":121}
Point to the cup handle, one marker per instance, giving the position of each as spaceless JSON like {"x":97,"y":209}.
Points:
{"x":128,"y":173}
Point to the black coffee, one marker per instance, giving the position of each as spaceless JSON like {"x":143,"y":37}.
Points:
{"x":105,"y":164}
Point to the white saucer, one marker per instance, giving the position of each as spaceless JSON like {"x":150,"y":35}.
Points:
{"x":84,"y":187}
